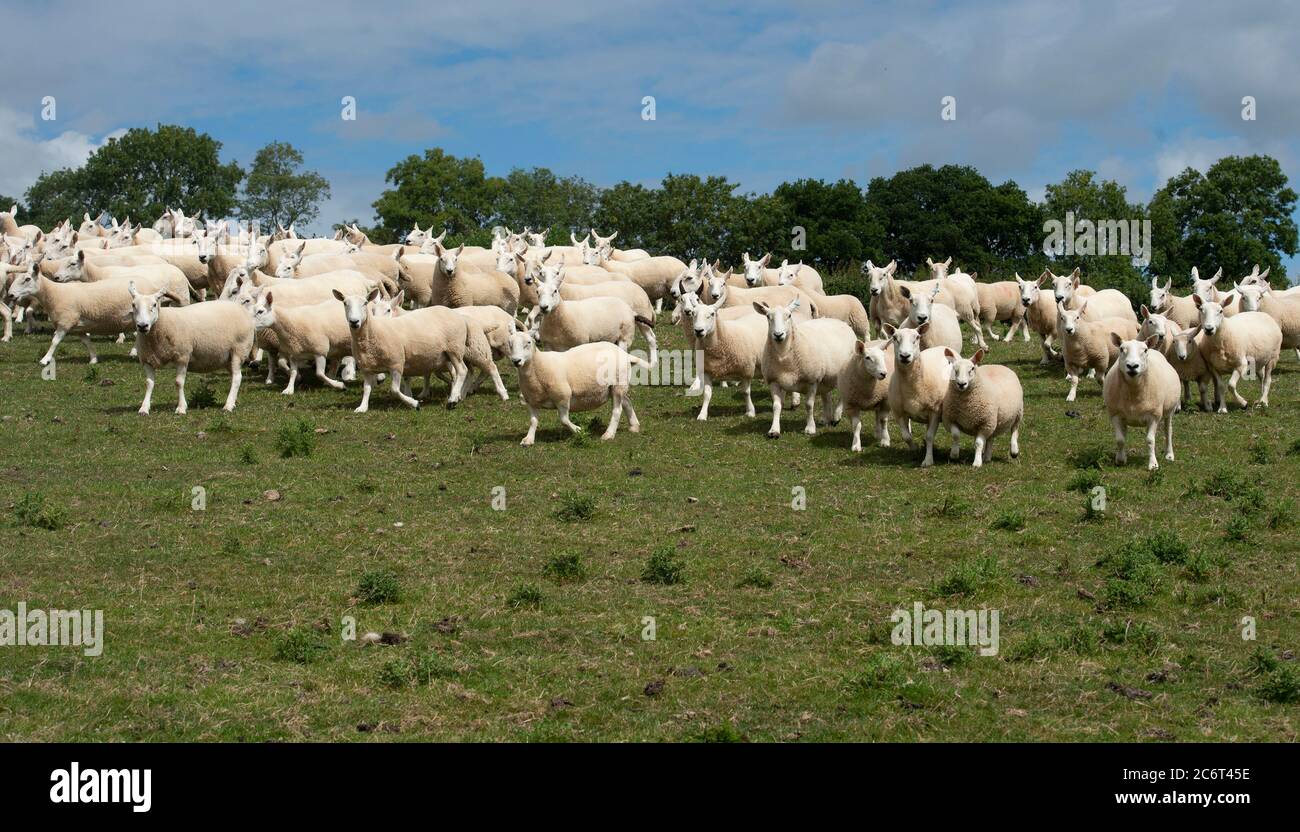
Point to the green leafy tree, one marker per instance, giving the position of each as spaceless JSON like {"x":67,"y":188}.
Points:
{"x":538,"y":199}
{"x":1103,"y":203}
{"x":631,"y":210}
{"x":1236,"y":214}
{"x":139,"y":175}
{"x":840,"y":228}
{"x":437,"y":189}
{"x":278,"y":191}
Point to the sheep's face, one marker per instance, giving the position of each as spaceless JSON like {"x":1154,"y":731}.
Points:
{"x":754,"y":269}
{"x":206,"y":244}
{"x":144,"y":308}
{"x":780,"y":319}
{"x":73,"y":269}
{"x":704,"y":318}
{"x":873,"y":359}
{"x":1133,"y":355}
{"x":548,"y":292}
{"x":1211,"y":313}
{"x":961,"y":371}
{"x":1185,"y":342}
{"x":521,"y":347}
{"x":1251,"y":295}
{"x":686,"y":283}
{"x":537,"y":239}
{"x":1154,"y":325}
{"x":1029,"y":290}
{"x":352,"y":248}
{"x":382,"y":307}
{"x":449,"y":258}
{"x":787,"y":273}
{"x":1063,"y":286}
{"x":416,"y":237}
{"x":264,"y":311}
{"x":878,"y":277}
{"x":355,"y":308}
{"x":1160,"y":295}
{"x":906,"y":341}
{"x":1067,"y":320}
{"x":590,"y":256}
{"x":25,"y":284}
{"x":938,"y":271}
{"x":922,"y":304}
{"x":604,"y":243}
{"x":505,"y":262}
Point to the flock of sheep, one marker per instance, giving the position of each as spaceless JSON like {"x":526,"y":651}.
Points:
{"x":204,"y":298}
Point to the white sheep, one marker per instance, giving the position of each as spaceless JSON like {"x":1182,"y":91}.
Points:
{"x":567,"y":323}
{"x":846,"y":308}
{"x":573,"y":380}
{"x":1040,"y":314}
{"x":1233,"y":344}
{"x":318,"y":333}
{"x":203,"y":337}
{"x":984,"y":402}
{"x":944,"y":328}
{"x":918,"y":384}
{"x":1260,"y":297}
{"x":1086,"y":344}
{"x":864,"y":387}
{"x":1181,"y":310}
{"x":1182,"y":349}
{"x":1000,"y":303}
{"x":803,"y":357}
{"x":961,"y":288}
{"x":1107,"y":303}
{"x":1141,"y":389}
{"x":731,"y":341}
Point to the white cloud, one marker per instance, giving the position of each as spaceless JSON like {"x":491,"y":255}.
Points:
{"x":24,"y":155}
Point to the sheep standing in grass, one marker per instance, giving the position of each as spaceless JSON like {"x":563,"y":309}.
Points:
{"x":846,"y":308}
{"x":317,"y":333}
{"x":567,"y":323}
{"x":573,"y":380}
{"x":1086,"y":344}
{"x":803,"y":357}
{"x":732,"y":341}
{"x":944,"y":328}
{"x":864,"y":387}
{"x":917,"y":385}
{"x":1233,"y":344}
{"x":1182,"y":349}
{"x":1040,"y":314}
{"x":1108,"y":303}
{"x":1258,"y":296}
{"x":984,"y":402}
{"x":203,"y":337}
{"x":1182,"y":311}
{"x":1141,"y":389}
{"x":1000,"y":303}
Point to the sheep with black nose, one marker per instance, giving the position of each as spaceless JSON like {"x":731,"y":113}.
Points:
{"x":1141,"y":388}
{"x":984,"y":402}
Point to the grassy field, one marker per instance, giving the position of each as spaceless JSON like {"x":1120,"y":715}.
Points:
{"x":526,"y":624}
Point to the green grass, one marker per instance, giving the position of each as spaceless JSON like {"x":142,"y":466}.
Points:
{"x":770,"y":624}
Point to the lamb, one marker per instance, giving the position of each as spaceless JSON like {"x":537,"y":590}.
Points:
{"x":846,"y":308}
{"x":1234,"y":343}
{"x":984,"y":402}
{"x":944,"y":329}
{"x":1182,"y":311}
{"x":574,"y":380}
{"x":918,"y":384}
{"x":204,"y":337}
{"x":1108,"y":303}
{"x":1182,"y":349}
{"x":1040,"y":314}
{"x":417,"y":343}
{"x":1141,"y":389}
{"x":803,"y":357}
{"x":1260,"y":297}
{"x":732,"y":344}
{"x":567,"y":323}
{"x":1000,"y":302}
{"x":1086,"y":344}
{"x":864,"y":386}
{"x":101,"y":308}
{"x":317,"y":333}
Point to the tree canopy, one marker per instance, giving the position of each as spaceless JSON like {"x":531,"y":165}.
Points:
{"x":278,"y":192}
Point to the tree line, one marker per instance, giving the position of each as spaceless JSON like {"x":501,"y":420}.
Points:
{"x":1234,"y":215}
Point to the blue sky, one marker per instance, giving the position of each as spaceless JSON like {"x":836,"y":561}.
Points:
{"x":759,"y":91}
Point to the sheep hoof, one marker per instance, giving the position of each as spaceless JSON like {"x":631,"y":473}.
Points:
{"x":44,"y":361}
{"x":144,"y":411}
{"x":230,"y":409}
{"x":774,"y":434}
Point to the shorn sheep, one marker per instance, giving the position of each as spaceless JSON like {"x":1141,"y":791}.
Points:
{"x":317,"y":333}
{"x":1233,"y":344}
{"x":1086,"y":344}
{"x":918,"y":385}
{"x":1000,"y":303}
{"x":203,"y":337}
{"x":573,"y":380}
{"x":944,"y":328}
{"x":805,"y":358}
{"x":864,"y":387}
{"x":1141,"y":389}
{"x":984,"y":402}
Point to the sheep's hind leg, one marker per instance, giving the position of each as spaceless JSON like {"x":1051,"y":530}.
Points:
{"x":1266,"y":382}
{"x":706,"y":382}
{"x":615,"y":415}
{"x":982,"y":449}
{"x":90,"y":347}
{"x":749,"y":399}
{"x":236,"y":378}
{"x":48,"y":359}
{"x":810,"y":426}
{"x":882,"y":428}
{"x":1232,"y":384}
{"x":181,"y":406}
{"x":293,"y":379}
{"x":633,"y":424}
{"x":954,"y":453}
{"x":148,"y":390}
{"x":563,"y":410}
{"x":929,"y":440}
{"x":1169,"y":437}
{"x":1121,"y":451}
{"x":855,"y":427}
{"x":320,"y":374}
{"x":1152,"y":427}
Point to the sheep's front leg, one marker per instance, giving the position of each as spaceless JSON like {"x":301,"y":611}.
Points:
{"x":974,"y":324}
{"x":48,"y":358}
{"x":459,"y":372}
{"x":855,"y":427}
{"x":498,"y":383}
{"x":397,"y":391}
{"x":1152,"y":427}
{"x":236,"y":378}
{"x":706,"y":382}
{"x":367,"y":382}
{"x":1048,"y":355}
{"x":982,"y":450}
{"x":181,"y":406}
{"x":270,"y":367}
{"x":148,"y":390}
{"x":563,"y":410}
{"x":905,"y":428}
{"x":532,"y":427}
{"x":1015,"y":442}
{"x":749,"y":400}
{"x":774,"y":431}
{"x":1266,"y":381}
{"x":1121,"y":451}
{"x":882,"y":428}
{"x":930,"y":431}
{"x":8,"y":315}
{"x":293,"y":379}
{"x":1202,"y":387}
{"x":1169,"y":437}
{"x":1237,"y":373}
{"x":954,"y":453}
{"x":615,"y":415}
{"x":653,"y":344}
{"x":348,"y":369}
{"x":90,"y":347}
{"x":320,"y":374}
{"x":810,"y":426}
{"x":1073,"y":378}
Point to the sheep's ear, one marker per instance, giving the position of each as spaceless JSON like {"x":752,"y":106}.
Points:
{"x":1217,"y":275}
{"x":130,"y":288}
{"x":923,"y":328}
{"x":888,"y":330}
{"x":761,"y":307}
{"x":948,"y":262}
{"x":1263,"y":276}
{"x":338,"y":294}
{"x":460,"y":250}
{"x":907,"y":293}
{"x":978,"y":356}
{"x":767,"y":258}
{"x":1074,"y":279}
{"x":860,"y":347}
{"x":1196,"y":273}
{"x":1082,"y":307}
{"x":950,"y":355}
{"x":1227,"y":299}
{"x":793,"y":305}
{"x":399,"y":298}
{"x":929,"y":262}
{"x":891,"y":268}
{"x":1146,"y":313}
{"x":270,"y":297}
{"x":1152,"y":341}
{"x":1115,"y":339}
{"x":374,"y":293}
{"x":1196,"y":299}
{"x":1191,"y":332}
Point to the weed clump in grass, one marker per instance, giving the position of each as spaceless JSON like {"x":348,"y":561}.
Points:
{"x":1091,"y":510}
{"x":378,"y":586}
{"x":1012,"y":521}
{"x":301,"y":645}
{"x":575,"y":507}
{"x":1133,"y":575}
{"x":248,"y":456}
{"x":564,"y":567}
{"x":203,"y":397}
{"x":755,"y":578}
{"x":881,"y":672}
{"x":1230,"y":486}
{"x":1260,"y":452}
{"x":296,"y":439}
{"x":952,"y":655}
{"x":1089,"y":457}
{"x":1281,"y":515}
{"x":1237,"y":529}
{"x":1135,"y":633}
{"x":1281,"y":685}
{"x":232,"y":546}
{"x":92,"y":374}
{"x":1085,"y":480}
{"x":1034,"y":648}
{"x":726,"y":732}
{"x":969,"y":576}
{"x":407,"y":672}
{"x":34,"y":511}
{"x":220,"y":425}
{"x":525,"y":595}
{"x":663,"y":567}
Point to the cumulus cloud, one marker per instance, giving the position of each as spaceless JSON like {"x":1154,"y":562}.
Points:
{"x":24,"y":155}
